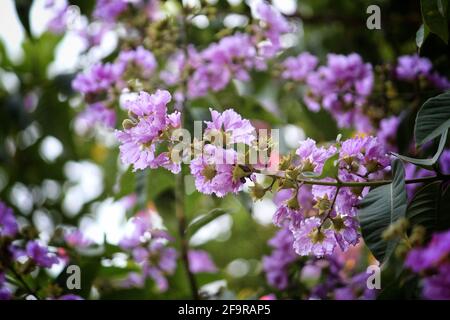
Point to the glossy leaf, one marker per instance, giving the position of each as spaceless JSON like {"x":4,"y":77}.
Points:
{"x":381,"y":207}
{"x":433,"y":119}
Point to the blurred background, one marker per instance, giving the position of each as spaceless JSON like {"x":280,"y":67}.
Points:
{"x":55,"y":174}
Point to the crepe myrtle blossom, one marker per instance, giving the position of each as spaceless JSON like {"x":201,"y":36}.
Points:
{"x":145,"y":131}
{"x":213,"y":68}
{"x":323,"y":217}
{"x":298,"y":68}
{"x":8,"y":223}
{"x":109,"y":10}
{"x":433,"y":262}
{"x":213,"y":171}
{"x":309,"y":238}
{"x":76,"y":239}
{"x":276,"y":265}
{"x":98,"y":79}
{"x":148,"y":247}
{"x":230,"y":128}
{"x":414,"y":67}
{"x":5,"y":292}
{"x":273,"y":25}
{"x":140,"y":59}
{"x":342,"y":87}
{"x":387,"y":134}
{"x":40,"y":255}
{"x":200,"y":261}
{"x":97,"y":114}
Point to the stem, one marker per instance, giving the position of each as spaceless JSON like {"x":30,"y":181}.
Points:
{"x":374,"y":183}
{"x":24,"y":283}
{"x":184,"y":245}
{"x":180,"y":188}
{"x":332,"y":206}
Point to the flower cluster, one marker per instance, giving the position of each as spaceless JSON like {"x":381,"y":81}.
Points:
{"x":272,"y":26}
{"x":413,"y":67}
{"x":232,"y":57}
{"x":342,"y":86}
{"x":323,"y":217}
{"x":102,"y":83}
{"x":337,"y":282}
{"x":216,"y":169}
{"x":148,"y":248}
{"x":148,"y":128}
{"x":276,"y":266}
{"x":433,"y":262}
{"x":20,"y":253}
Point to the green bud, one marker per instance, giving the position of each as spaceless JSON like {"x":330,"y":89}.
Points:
{"x":293,"y":202}
{"x":257,"y":191}
{"x":128,"y":124}
{"x":238,"y":173}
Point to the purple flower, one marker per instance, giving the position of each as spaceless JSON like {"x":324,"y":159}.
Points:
{"x":282,"y":257}
{"x":273,"y":26}
{"x":387,"y":134}
{"x":213,"y":171}
{"x":412,"y":66}
{"x":346,"y":231}
{"x":363,"y":156}
{"x":437,"y":287}
{"x":439,"y":81}
{"x":310,"y":239}
{"x":229,"y":126}
{"x":149,"y":249}
{"x":432,"y":261}
{"x":150,"y":120}
{"x":437,"y":250}
{"x":298,"y":68}
{"x":312,"y":158}
{"x":109,"y":10}
{"x":8,"y":223}
{"x":200,"y":261}
{"x":40,"y":255}
{"x":5,"y":292}
{"x":355,"y":288}
{"x":342,"y":87}
{"x":140,"y":225}
{"x":96,"y":114}
{"x":59,"y":15}
{"x":76,"y":239}
{"x":142,"y":59}
{"x":99,"y":78}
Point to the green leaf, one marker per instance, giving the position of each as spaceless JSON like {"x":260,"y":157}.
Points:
{"x":430,"y":207}
{"x":330,"y":169}
{"x":433,"y":119}
{"x":422,"y":35}
{"x":426,"y":163}
{"x":203,"y":220}
{"x":434,"y":15}
{"x":381,"y":207}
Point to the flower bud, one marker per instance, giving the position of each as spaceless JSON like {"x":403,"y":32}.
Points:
{"x":257,"y":191}
{"x":292,"y":203}
{"x":128,"y":124}
{"x":238,"y":173}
